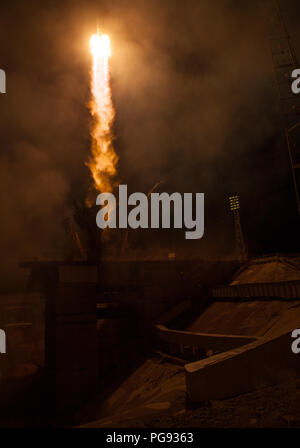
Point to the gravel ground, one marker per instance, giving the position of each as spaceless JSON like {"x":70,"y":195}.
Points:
{"x":271,"y":407}
{"x":154,"y":396}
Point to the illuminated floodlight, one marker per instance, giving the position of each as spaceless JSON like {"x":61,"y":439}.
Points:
{"x":234,"y":202}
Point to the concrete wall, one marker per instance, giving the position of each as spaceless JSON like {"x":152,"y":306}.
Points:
{"x":261,"y":363}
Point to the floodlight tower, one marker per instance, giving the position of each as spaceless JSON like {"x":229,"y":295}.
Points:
{"x":240,"y":246}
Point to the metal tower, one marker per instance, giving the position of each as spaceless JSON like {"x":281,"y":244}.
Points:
{"x":285,"y":61}
{"x":240,"y":246}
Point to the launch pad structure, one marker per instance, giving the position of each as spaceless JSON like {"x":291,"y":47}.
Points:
{"x":285,"y":61}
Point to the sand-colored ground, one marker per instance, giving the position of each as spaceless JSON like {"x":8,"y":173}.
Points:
{"x":153,"y":396}
{"x":155,"y":388}
{"x":253,"y":318}
{"x":267,"y":270}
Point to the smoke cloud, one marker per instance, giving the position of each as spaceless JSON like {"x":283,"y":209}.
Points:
{"x":196,"y":107}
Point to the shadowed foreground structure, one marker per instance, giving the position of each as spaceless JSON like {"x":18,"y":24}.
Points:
{"x":178,"y":353}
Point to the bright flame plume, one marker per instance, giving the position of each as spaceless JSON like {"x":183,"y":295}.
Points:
{"x":103,"y":160}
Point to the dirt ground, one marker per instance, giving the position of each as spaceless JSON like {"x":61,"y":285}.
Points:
{"x":154,"y":396}
{"x":272,"y":407}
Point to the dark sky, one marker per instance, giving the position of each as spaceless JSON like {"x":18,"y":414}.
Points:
{"x":196,"y":107}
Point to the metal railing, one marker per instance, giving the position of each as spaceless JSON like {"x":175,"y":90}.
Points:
{"x":278,"y":290}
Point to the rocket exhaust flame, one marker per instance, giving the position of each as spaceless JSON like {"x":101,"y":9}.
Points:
{"x":103,"y":159}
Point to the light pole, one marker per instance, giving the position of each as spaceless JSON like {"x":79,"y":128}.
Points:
{"x":240,"y":246}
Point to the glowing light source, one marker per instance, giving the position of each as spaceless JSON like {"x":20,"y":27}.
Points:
{"x":100,"y":45}
{"x":234,"y":202}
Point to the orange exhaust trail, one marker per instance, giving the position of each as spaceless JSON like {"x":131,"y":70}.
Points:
{"x":103,"y":159}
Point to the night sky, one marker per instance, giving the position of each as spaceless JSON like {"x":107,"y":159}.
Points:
{"x":196,"y":106}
